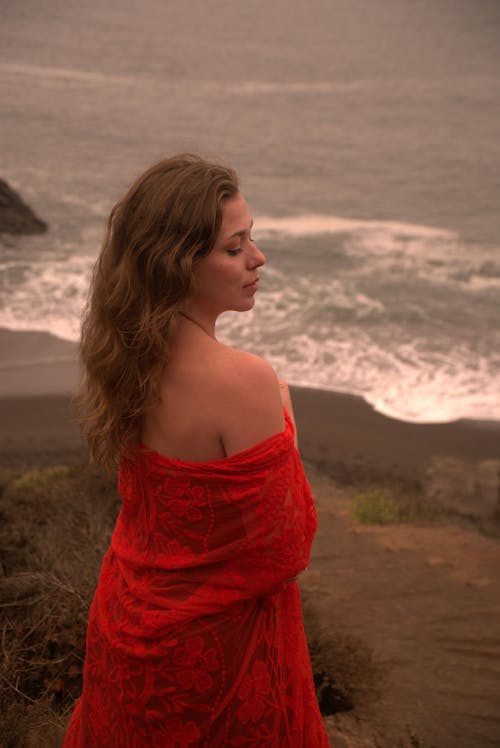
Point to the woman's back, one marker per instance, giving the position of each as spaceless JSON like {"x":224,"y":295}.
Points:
{"x":214,"y":400}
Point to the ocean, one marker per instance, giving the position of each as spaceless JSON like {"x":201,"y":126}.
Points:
{"x":366,"y":138}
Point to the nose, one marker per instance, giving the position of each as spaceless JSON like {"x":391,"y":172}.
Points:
{"x":257,"y":257}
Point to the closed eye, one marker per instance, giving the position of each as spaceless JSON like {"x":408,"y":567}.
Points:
{"x":234,"y":252}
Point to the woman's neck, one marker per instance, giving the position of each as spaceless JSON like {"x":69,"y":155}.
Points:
{"x":207,"y":328}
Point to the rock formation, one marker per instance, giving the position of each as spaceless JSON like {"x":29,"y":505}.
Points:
{"x":15,"y":216}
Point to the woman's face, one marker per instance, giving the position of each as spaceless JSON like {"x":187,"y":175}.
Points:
{"x":227,"y":278}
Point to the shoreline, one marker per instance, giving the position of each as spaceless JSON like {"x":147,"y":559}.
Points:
{"x":338,"y":428}
{"x":342,"y":434}
{"x":39,"y":363}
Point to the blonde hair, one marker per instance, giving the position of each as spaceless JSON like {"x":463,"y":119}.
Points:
{"x":166,"y":222}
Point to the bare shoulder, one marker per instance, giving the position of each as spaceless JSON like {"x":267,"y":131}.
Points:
{"x":250,"y":394}
{"x":245,"y":373}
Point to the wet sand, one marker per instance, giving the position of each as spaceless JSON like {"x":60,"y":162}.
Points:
{"x":341,"y":433}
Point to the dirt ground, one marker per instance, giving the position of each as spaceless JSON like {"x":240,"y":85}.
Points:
{"x":426,"y":600}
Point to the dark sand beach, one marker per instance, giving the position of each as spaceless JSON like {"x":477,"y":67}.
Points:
{"x":340,"y":432}
{"x":424,"y":597}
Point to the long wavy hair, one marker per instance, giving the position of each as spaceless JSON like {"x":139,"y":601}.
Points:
{"x":167,"y":221}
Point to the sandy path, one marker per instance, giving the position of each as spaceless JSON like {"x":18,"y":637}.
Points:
{"x":426,"y":599}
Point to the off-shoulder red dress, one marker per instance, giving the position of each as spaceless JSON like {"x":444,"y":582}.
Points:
{"x":195,"y":634}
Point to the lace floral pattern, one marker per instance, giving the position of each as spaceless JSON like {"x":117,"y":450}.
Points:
{"x":195,"y":634}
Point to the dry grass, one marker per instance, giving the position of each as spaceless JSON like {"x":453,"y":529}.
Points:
{"x":56,"y":525}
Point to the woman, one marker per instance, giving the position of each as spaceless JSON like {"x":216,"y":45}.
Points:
{"x":195,"y":634}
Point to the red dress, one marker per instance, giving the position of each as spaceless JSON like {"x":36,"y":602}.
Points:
{"x":195,"y":634}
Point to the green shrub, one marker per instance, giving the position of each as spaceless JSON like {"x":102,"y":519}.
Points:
{"x":377,"y":504}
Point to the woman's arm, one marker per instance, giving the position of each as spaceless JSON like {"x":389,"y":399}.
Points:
{"x":286,"y":399}
{"x":287,"y":403}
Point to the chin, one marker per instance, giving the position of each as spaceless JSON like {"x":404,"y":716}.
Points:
{"x":247,"y":305}
{"x":242,"y":305}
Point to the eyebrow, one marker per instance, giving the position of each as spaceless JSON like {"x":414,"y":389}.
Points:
{"x":240,"y":233}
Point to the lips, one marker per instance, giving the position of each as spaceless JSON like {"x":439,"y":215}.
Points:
{"x":252,"y":283}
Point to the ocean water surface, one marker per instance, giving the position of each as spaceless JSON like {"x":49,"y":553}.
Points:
{"x":366,"y":139}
